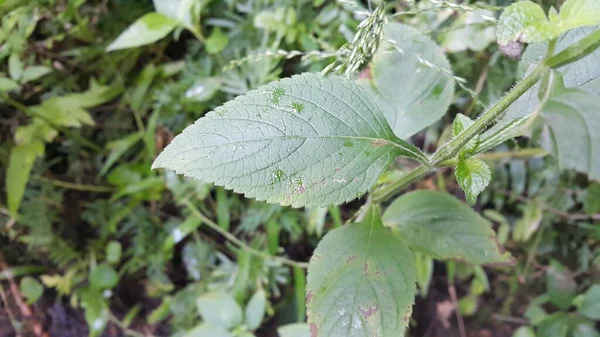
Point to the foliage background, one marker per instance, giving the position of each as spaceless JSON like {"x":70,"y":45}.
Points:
{"x":99,"y":237}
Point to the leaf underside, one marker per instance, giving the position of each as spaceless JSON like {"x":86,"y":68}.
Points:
{"x":308,"y":140}
{"x":361,"y":282}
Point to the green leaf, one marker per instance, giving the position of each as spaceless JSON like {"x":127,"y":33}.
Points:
{"x":6,"y":84}
{"x":117,"y":149}
{"x":569,"y":130}
{"x":590,"y":305}
{"x":524,"y":331}
{"x":555,"y":325}
{"x":294,"y":330}
{"x":413,"y":79}
{"x":96,"y":310}
{"x":219,"y":309}
{"x":15,"y":67}
{"x":20,"y":164}
{"x":467,"y":305}
{"x":159,"y":314}
{"x":440,"y":225}
{"x":31,"y":289}
{"x":104,"y":277}
{"x":34,"y":72}
{"x":591,"y":204}
{"x":113,"y":252}
{"x":255,"y":310}
{"x":578,"y":13}
{"x":523,"y":21}
{"x":560,"y":285}
{"x":308,"y":141}
{"x":585,"y":330}
{"x":462,"y":122}
{"x":361,"y":282}
{"x":217,"y":41}
{"x":424,"y":268}
{"x":204,"y":89}
{"x":205,"y":330}
{"x":473,"y":176}
{"x":145,"y":30}
{"x":472,"y":30}
{"x":529,"y":223}
{"x":505,"y":131}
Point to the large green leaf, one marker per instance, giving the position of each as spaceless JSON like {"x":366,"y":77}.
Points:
{"x":308,"y":140}
{"x":442,"y":226}
{"x":361,"y":282}
{"x":570,"y":128}
{"x":145,"y":30}
{"x":411,"y":74}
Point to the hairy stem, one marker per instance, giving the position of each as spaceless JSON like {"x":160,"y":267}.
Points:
{"x":448,"y":151}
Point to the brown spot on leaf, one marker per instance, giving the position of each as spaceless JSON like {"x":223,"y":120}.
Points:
{"x":309,"y":296}
{"x":350,"y":258}
{"x":314,"y":331}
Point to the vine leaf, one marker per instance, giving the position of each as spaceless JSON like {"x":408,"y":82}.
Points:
{"x":473,"y":176}
{"x":409,"y":77}
{"x":308,"y":140}
{"x":361,"y":282}
{"x":440,"y":225}
{"x":568,"y":121}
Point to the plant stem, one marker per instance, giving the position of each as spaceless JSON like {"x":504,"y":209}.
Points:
{"x":450,"y":149}
{"x":388,"y":191}
{"x":74,"y":186}
{"x":446,"y":152}
{"x":239,"y":242}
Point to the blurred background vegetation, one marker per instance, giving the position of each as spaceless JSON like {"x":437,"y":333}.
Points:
{"x":94,"y":242}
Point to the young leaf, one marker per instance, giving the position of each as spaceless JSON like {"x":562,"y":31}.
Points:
{"x":440,"y":225}
{"x":590,"y":305}
{"x":569,"y":130}
{"x":104,"y":277}
{"x":578,"y":13}
{"x":34,"y":72}
{"x":524,"y":331}
{"x":461,"y":122}
{"x":6,"y":84}
{"x":473,"y":176}
{"x":145,"y":30}
{"x":96,"y":310}
{"x":585,"y":329}
{"x":561,"y":286}
{"x":555,"y":325}
{"x":219,"y":309}
{"x":361,"y":282}
{"x":523,"y":21}
{"x":308,"y":141}
{"x":20,"y":164}
{"x":409,"y":75}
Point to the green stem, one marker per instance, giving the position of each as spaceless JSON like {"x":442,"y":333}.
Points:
{"x":450,"y":149}
{"x":390,"y":190}
{"x":239,"y":242}
{"x":74,"y":186}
